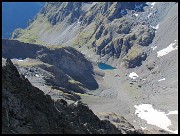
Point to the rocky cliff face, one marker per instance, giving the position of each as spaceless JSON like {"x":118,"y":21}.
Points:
{"x":109,"y":29}
{"x":27,"y":110}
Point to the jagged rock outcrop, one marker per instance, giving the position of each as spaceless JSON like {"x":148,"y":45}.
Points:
{"x":120,"y":122}
{"x":69,"y":11}
{"x":109,"y":28}
{"x":26,"y":110}
{"x":134,"y":57}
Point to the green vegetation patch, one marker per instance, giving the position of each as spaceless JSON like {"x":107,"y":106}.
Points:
{"x":84,"y":36}
{"x":73,"y":81}
{"x":30,"y":35}
{"x":28,"y":63}
{"x":134,"y":52}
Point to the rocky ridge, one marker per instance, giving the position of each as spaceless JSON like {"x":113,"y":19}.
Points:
{"x":65,"y":64}
{"x":26,"y":109}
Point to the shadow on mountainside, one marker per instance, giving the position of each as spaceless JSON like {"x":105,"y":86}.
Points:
{"x":67,"y":59}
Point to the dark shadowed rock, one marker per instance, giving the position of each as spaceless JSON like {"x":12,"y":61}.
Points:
{"x":64,"y":61}
{"x":26,"y":110}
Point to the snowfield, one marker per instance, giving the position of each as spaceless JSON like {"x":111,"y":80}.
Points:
{"x":154,"y":117}
{"x":167,"y":50}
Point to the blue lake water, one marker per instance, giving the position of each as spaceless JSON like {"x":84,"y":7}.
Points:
{"x":104,"y":66}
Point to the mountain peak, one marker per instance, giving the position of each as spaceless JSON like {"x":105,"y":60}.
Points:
{"x":9,"y":66}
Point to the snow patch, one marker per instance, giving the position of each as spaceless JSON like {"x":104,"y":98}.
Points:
{"x":154,"y":117}
{"x":149,"y":15}
{"x":136,"y":15}
{"x":133,"y":75}
{"x":167,"y":50}
{"x":172,"y":112}
{"x":156,"y":27}
{"x":152,"y":4}
{"x":161,"y":79}
{"x":76,"y":103}
{"x":143,"y":128}
{"x":153,"y":47}
{"x":20,"y":59}
{"x":37,"y":75}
